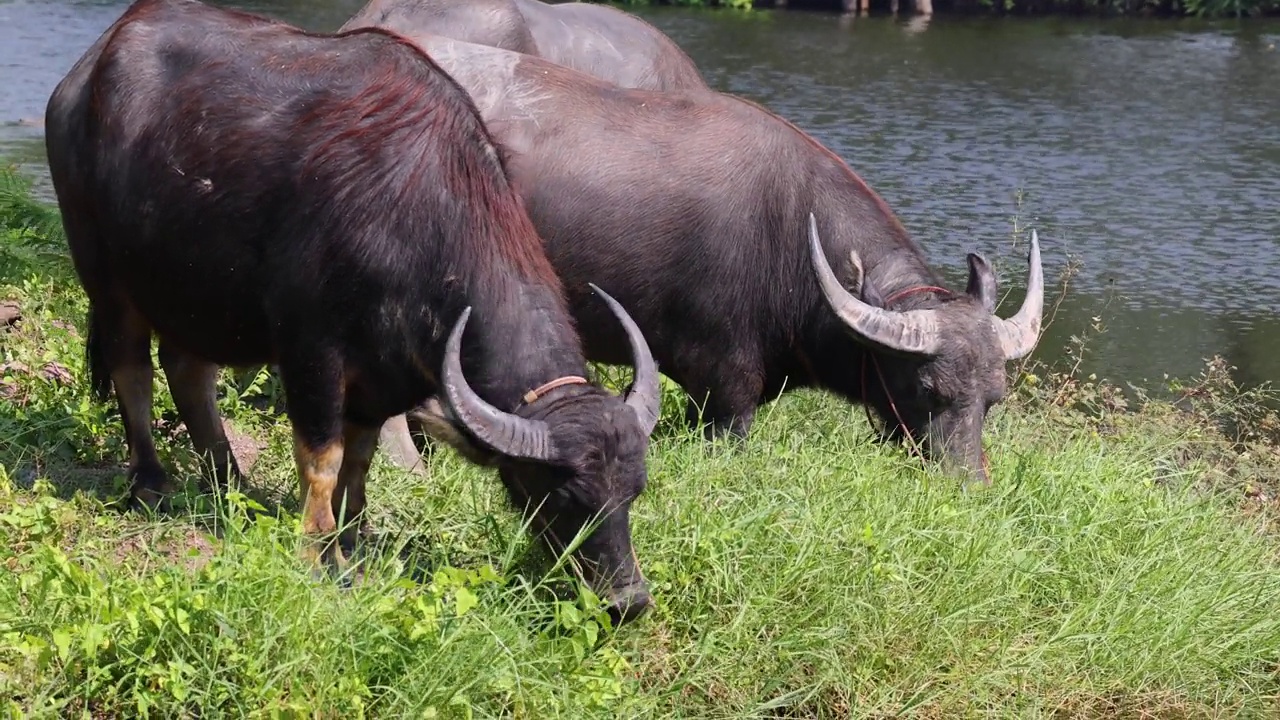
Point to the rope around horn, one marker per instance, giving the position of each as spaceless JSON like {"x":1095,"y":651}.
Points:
{"x":532,"y":396}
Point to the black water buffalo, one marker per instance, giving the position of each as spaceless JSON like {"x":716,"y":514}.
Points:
{"x":694,"y":209}
{"x":251,"y":193}
{"x":596,"y":39}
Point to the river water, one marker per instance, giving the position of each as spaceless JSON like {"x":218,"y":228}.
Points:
{"x":1147,"y":151}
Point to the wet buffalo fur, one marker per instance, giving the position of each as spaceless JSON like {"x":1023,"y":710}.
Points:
{"x":693,"y":207}
{"x":252,"y":193}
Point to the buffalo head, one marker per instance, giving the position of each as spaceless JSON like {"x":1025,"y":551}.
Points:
{"x":938,"y":370}
{"x":572,"y":458}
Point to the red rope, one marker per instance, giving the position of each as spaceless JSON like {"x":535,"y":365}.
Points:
{"x":913,"y":290}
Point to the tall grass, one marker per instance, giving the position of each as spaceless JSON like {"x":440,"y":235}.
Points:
{"x":1115,"y":568}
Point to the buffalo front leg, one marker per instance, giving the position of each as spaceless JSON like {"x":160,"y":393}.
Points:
{"x":725,"y":400}
{"x":318,"y":466}
{"x":718,"y":420}
{"x":313,"y":386}
{"x":193,"y":384}
{"x":359,"y":444}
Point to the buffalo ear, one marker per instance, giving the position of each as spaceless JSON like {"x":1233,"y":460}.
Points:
{"x":982,"y":282}
{"x":859,"y":285}
{"x":439,"y":424}
{"x":871,"y":295}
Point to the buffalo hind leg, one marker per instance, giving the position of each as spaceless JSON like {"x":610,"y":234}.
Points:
{"x":120,"y":346}
{"x":193,"y":385}
{"x":151,"y":485}
{"x":358,"y":446}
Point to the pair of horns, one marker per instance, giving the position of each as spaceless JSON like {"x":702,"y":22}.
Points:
{"x":518,"y":437}
{"x":918,"y":332}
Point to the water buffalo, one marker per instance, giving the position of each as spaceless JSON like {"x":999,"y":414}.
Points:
{"x":252,"y":194}
{"x":596,"y":39}
{"x":694,"y":209}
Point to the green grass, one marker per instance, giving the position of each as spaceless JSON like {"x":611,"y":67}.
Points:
{"x":1124,"y":563}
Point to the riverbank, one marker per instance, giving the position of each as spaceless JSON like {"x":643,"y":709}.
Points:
{"x":1119,"y":8}
{"x":1124,"y":562}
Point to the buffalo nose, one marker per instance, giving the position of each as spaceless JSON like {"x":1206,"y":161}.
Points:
{"x":629,"y":603}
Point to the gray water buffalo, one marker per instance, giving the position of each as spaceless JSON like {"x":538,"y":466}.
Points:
{"x":254,"y":194}
{"x":694,"y":209}
{"x":596,"y":39}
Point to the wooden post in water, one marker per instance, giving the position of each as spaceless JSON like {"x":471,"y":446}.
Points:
{"x":924,"y":7}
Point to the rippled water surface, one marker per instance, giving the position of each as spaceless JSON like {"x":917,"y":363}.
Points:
{"x":1147,"y":150}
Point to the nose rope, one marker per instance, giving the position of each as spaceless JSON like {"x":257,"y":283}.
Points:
{"x":915,"y":447}
{"x":911,"y":441}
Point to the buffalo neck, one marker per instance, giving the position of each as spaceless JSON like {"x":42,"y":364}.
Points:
{"x":834,"y":360}
{"x":893,"y":265}
{"x":860,"y":221}
{"x":894,"y":278}
{"x":518,"y":340}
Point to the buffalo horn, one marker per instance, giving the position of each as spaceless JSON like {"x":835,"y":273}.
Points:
{"x":914,"y":331}
{"x":1019,"y":334}
{"x":507,"y":434}
{"x":645,"y":397}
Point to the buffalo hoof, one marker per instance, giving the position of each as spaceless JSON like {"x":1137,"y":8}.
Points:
{"x":353,"y":536}
{"x":629,"y":603}
{"x":323,"y":555}
{"x":151,"y":489}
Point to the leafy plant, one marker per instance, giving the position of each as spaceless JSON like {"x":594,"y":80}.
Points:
{"x":1124,"y":563}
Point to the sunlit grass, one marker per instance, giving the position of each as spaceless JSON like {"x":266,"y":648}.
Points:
{"x":1108,"y":571}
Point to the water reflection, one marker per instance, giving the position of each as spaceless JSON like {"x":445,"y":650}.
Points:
{"x":1149,"y":150}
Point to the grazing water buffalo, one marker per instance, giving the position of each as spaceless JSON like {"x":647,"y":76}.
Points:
{"x":596,"y":39}
{"x":251,"y":193}
{"x":694,"y":209}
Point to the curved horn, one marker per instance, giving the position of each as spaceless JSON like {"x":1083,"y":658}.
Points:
{"x":645,"y":396}
{"x":914,"y":331}
{"x":1020,"y":333}
{"x":507,"y":434}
